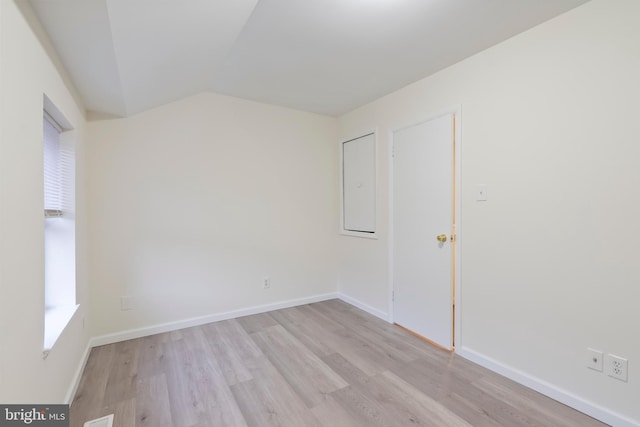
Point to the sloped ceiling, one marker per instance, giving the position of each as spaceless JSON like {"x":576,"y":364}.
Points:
{"x":324,"y":56}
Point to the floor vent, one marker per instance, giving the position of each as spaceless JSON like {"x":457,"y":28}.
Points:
{"x":100,"y":422}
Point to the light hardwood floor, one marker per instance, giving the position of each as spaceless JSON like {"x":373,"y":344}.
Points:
{"x":323,"y":364}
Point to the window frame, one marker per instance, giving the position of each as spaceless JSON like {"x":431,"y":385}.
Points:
{"x":59,"y":231}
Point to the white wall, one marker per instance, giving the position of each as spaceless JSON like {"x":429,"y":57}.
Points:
{"x":550,"y":261}
{"x":27,"y":72}
{"x":194,"y":202}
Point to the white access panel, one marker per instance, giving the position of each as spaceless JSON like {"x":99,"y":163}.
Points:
{"x":359,"y":184}
{"x":422,"y":211}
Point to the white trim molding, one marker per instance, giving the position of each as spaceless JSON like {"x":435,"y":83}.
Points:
{"x":547,"y":389}
{"x":77,"y":375}
{"x":362,"y":306}
{"x":202,"y":320}
{"x":181,"y":324}
{"x":605,"y":415}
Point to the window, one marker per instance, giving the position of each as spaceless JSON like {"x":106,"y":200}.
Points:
{"x":359,"y":186}
{"x":59,"y":226}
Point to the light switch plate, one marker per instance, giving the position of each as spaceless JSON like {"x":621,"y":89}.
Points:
{"x":594,"y":359}
{"x":481,"y":192}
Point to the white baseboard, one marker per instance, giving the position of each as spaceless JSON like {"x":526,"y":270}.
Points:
{"x":527,"y":380}
{"x":180,"y":324}
{"x":548,"y":389}
{"x":362,"y":306}
{"x":75,"y":381}
{"x":196,"y":321}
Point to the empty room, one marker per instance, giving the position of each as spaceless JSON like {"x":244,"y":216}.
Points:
{"x":319,"y":213}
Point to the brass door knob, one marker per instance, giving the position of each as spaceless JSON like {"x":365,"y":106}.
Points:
{"x":442,"y":238}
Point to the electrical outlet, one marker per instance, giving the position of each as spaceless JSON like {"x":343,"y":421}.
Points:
{"x":266,"y":282}
{"x":616,"y":367}
{"x":594,"y":359}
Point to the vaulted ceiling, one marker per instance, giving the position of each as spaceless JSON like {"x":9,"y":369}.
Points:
{"x":324,"y":56}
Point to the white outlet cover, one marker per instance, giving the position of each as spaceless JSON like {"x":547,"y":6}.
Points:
{"x":617,"y":367}
{"x":594,"y":359}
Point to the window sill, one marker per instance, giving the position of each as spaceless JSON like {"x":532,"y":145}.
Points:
{"x":55,"y":320}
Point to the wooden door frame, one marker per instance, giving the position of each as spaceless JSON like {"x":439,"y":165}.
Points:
{"x":457,"y":283}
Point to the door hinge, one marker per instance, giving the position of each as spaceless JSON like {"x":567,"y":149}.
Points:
{"x":393,"y":150}
{"x":393,"y":295}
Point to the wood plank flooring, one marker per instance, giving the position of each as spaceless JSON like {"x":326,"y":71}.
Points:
{"x":323,"y":364}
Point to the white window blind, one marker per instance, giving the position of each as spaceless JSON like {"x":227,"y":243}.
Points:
{"x":57,"y":169}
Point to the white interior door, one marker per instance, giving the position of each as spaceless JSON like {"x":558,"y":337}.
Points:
{"x":423,"y":207}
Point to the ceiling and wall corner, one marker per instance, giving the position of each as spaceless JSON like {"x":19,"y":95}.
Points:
{"x":196,"y":201}
{"x":327,"y":57}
